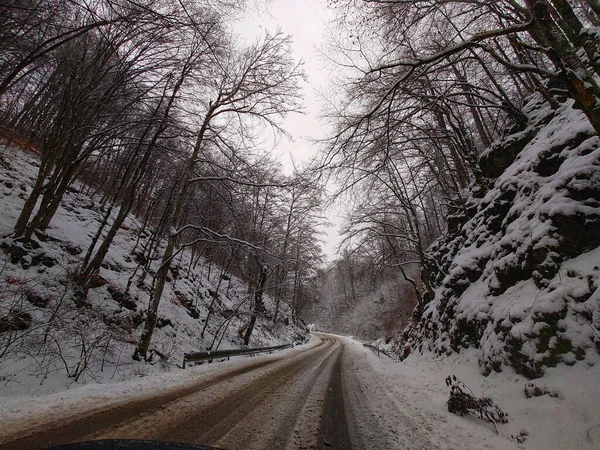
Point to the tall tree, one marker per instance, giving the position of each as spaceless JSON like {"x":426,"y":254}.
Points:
{"x":258,"y":84}
{"x":428,"y":89}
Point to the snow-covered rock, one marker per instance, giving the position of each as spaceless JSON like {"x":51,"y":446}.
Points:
{"x":517,"y":275}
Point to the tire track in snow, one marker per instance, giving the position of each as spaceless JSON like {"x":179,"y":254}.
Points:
{"x":208,"y":424}
{"x":333,"y":432}
{"x":209,"y":414}
{"x":323,"y":397}
{"x":274,"y":422}
{"x":61,"y":431}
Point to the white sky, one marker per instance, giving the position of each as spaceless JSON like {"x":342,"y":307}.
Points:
{"x":306,"y":21}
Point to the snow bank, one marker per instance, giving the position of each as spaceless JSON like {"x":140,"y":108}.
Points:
{"x":18,"y":415}
{"x":560,"y":414}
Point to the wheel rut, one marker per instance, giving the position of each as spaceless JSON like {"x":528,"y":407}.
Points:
{"x":293,"y":402}
{"x":209,"y":424}
{"x":94,"y":422}
{"x":333,"y":431}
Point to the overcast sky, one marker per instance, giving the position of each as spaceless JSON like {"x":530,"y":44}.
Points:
{"x":306,"y":21}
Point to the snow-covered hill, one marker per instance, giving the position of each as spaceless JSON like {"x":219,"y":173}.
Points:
{"x":51,"y":338}
{"x":517,"y":276}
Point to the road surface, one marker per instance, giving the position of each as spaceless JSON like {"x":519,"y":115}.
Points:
{"x":320,"y":396}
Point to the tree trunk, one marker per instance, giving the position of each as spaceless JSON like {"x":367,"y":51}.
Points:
{"x":51,"y":206}
{"x":258,"y":294}
{"x":212,"y":302}
{"x":581,"y":38}
{"x":161,"y":276}
{"x":96,"y":237}
{"x":578,"y":80}
{"x":29,"y":205}
{"x":566,"y":19}
{"x":94,"y":265}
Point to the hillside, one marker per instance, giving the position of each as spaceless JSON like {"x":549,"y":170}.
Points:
{"x":53,"y":336}
{"x":516,"y":277}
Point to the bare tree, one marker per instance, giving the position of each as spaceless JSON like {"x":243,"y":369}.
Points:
{"x":258,"y":84}
{"x":159,"y":121}
{"x":427,"y":91}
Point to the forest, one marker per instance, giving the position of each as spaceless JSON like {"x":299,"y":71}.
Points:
{"x":432,"y":98}
{"x":155,"y":109}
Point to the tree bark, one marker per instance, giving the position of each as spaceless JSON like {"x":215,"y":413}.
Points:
{"x":578,"y":80}
{"x":258,"y":295}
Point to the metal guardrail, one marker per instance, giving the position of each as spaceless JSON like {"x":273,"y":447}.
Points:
{"x":377,"y":350}
{"x":214,"y":354}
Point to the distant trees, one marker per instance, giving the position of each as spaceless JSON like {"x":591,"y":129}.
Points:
{"x":427,"y":89}
{"x":300,"y":254}
{"x":358,"y":295}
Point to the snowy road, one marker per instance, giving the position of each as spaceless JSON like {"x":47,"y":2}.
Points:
{"x":311,"y":398}
{"x":324,"y":395}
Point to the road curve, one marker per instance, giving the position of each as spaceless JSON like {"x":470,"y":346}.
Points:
{"x":311,"y":398}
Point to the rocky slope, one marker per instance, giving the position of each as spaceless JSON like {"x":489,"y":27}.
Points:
{"x":517,"y":274}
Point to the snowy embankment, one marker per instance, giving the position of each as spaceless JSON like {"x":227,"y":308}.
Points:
{"x":52,"y":340}
{"x":515,"y":313}
{"x":517,"y":276}
{"x":559,"y":411}
{"x":409,"y":400}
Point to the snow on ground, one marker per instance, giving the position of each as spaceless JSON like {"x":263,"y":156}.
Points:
{"x":415,"y":395}
{"x":67,"y":344}
{"x":564,"y":417}
{"x":20,"y":414}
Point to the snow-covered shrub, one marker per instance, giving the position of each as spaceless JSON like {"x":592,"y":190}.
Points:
{"x":521,"y":436}
{"x":531,"y":390}
{"x":462,"y":402}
